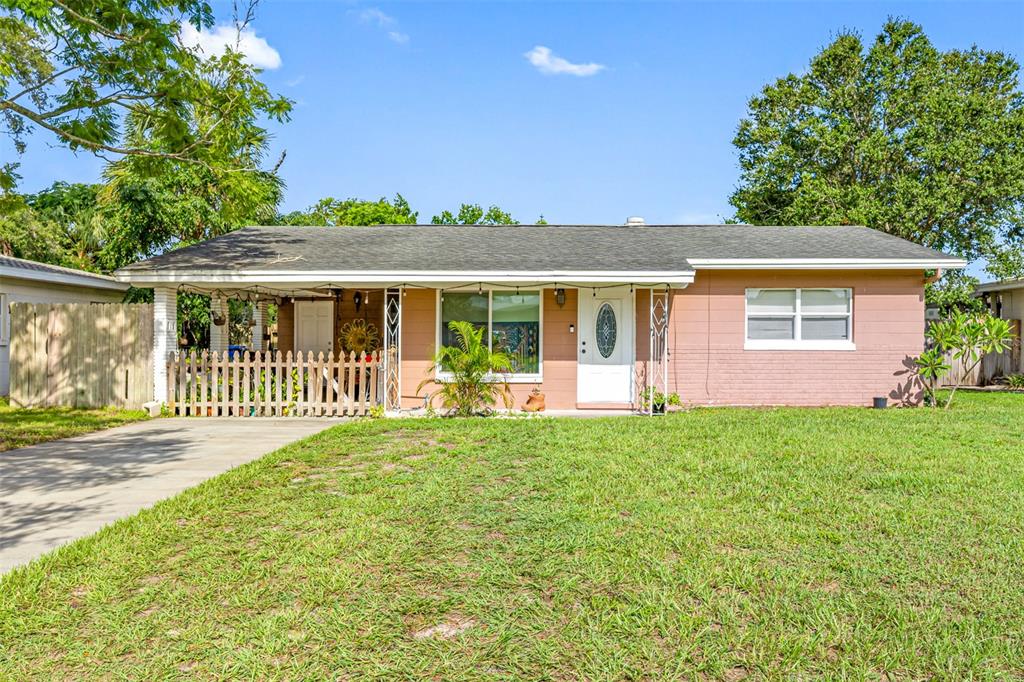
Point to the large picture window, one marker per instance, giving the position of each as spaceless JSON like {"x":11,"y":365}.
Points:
{"x":511,"y":321}
{"x":799,"y":319}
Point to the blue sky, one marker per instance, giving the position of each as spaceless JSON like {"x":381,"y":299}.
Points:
{"x":440,"y":102}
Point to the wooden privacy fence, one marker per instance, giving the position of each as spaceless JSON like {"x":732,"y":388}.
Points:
{"x":205,"y":384}
{"x":81,"y":354}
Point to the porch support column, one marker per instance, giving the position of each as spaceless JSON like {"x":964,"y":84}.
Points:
{"x":259,"y":318}
{"x":219,"y":334}
{"x":165,"y":337}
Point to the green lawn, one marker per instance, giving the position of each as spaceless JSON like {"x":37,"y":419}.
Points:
{"x":712,"y":544}
{"x":20,"y":427}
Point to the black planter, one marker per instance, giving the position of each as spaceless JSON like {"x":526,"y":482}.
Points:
{"x":880,"y":403}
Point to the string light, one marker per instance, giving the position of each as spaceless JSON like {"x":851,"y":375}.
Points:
{"x":253,"y":293}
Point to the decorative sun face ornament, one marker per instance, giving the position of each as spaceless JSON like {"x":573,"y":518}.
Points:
{"x":359,"y":336}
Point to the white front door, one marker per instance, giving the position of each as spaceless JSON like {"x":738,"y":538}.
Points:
{"x":605,"y":367}
{"x":314,"y":326}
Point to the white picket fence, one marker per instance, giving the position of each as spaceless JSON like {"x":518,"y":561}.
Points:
{"x":205,"y":384}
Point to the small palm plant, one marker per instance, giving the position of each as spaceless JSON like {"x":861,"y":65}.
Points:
{"x":475,"y":369}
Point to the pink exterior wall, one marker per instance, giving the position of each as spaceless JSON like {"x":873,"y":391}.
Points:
{"x":419,"y":336}
{"x":709,"y":365}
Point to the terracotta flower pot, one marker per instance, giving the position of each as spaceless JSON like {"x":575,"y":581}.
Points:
{"x":535,"y":403}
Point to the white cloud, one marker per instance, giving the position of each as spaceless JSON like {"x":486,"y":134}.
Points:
{"x":372,"y":15}
{"x":550,"y":64}
{"x":383,"y":21}
{"x":212,"y":42}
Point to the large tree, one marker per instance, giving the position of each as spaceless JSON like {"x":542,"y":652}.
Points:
{"x":896,"y":135}
{"x":77,"y":68}
{"x":157,"y":203}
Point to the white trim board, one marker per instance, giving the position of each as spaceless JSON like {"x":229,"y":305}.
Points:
{"x":823,"y":263}
{"x":85,"y":280}
{"x":679,"y":278}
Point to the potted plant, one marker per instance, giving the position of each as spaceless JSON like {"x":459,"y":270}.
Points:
{"x":535,"y":403}
{"x":656,"y":401}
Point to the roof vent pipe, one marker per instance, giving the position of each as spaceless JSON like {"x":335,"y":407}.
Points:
{"x":635,"y":221}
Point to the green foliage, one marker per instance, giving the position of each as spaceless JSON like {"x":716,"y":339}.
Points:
{"x":474,"y":368}
{"x":967,"y":338}
{"x":78,"y":70}
{"x":896,"y":135}
{"x":73,"y":212}
{"x":954,"y":291}
{"x":1015,"y":382}
{"x":473,"y":214}
{"x":332,"y":212}
{"x":59,"y":225}
{"x":24,"y":235}
{"x":160,"y":203}
{"x":660,"y":400}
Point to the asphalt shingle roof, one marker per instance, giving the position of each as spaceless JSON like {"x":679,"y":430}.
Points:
{"x":523,"y":248}
{"x":31,"y":267}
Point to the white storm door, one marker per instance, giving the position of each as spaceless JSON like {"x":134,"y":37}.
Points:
{"x":605,"y":367}
{"x":314,"y":326}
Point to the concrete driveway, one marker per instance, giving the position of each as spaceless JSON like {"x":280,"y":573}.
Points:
{"x":59,"y":491}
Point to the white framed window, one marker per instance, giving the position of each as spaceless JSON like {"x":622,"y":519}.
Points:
{"x":5,"y":322}
{"x":799,"y":319}
{"x":512,"y":321}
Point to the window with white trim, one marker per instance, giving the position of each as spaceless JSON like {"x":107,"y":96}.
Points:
{"x":5,"y":322}
{"x":799,"y":319}
{"x":511,"y":321}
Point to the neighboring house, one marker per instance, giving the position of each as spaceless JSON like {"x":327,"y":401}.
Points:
{"x":25,"y":281}
{"x":1005,"y":299}
{"x":741,"y":315}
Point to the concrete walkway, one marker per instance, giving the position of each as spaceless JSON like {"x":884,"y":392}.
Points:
{"x":59,"y":491}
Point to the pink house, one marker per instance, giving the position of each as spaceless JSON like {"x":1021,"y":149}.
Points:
{"x":594,"y":316}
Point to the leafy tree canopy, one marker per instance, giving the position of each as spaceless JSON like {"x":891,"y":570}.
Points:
{"x":59,"y":225}
{"x":332,"y":212}
{"x":896,"y":135}
{"x":473,"y":214}
{"x":162,"y":202}
{"x":78,"y":68}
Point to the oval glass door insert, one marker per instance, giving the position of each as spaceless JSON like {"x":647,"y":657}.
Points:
{"x":607,"y":330}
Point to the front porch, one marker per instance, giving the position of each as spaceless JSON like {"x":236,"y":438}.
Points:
{"x":349,"y":350}
{"x":309,"y":351}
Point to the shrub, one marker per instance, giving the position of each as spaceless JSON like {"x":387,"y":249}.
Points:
{"x":1015,"y":382}
{"x":477,"y":373}
{"x":968,"y":338}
